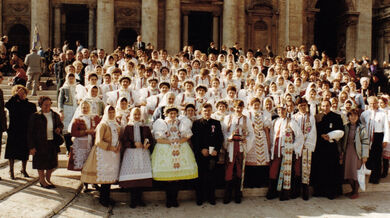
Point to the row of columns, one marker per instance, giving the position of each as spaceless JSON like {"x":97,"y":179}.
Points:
{"x":233,"y":23}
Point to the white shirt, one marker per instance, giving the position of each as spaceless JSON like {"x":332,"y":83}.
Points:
{"x":49,"y":128}
{"x":376,"y":122}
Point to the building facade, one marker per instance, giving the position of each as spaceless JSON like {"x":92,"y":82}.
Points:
{"x":342,"y":27}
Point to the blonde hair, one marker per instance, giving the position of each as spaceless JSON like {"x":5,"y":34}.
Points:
{"x":16,"y":88}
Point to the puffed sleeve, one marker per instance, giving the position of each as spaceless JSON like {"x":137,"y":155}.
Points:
{"x":185,"y":127}
{"x":251,"y":136}
{"x":100,"y":131}
{"x":299,"y":138}
{"x":311,"y":138}
{"x":160,"y":129}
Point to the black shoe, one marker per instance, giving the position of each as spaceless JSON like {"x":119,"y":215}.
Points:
{"x":25,"y":174}
{"x":237,"y":199}
{"x":199,"y":202}
{"x":212,"y":202}
{"x":52,"y":186}
{"x":305,"y":195}
{"x":175,"y":203}
{"x":111,"y":202}
{"x":228,"y":193}
{"x":296,"y":189}
{"x":45,"y":186}
{"x":133,"y":205}
{"x":285,"y":195}
{"x":104,"y":203}
{"x":271,"y":193}
{"x":12,"y":175}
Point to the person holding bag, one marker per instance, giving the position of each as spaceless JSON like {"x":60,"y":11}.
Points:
{"x":355,"y":148}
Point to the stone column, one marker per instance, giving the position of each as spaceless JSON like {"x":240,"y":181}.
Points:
{"x":91,"y":26}
{"x":229,"y":22}
{"x":185,"y":29}
{"x":172,"y":26}
{"x":351,"y":36}
{"x":149,"y":23}
{"x":1,"y":17}
{"x":40,"y":18}
{"x":57,"y":26}
{"x":105,"y":25}
{"x":216,"y":30}
{"x":364,"y":28}
{"x":241,"y":24}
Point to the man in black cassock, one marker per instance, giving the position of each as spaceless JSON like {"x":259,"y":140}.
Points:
{"x":327,"y":178}
{"x":207,"y":141}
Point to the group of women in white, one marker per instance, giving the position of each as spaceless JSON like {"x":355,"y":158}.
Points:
{"x":131,"y":121}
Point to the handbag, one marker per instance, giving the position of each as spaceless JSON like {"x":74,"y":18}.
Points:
{"x":361,"y":174}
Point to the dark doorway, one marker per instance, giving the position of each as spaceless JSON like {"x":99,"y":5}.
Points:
{"x":329,"y":28}
{"x":19,"y":35}
{"x":127,"y":36}
{"x":200,"y":30}
{"x":76,"y":27}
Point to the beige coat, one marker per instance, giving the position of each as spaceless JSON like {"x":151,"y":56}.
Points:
{"x":103,"y":140}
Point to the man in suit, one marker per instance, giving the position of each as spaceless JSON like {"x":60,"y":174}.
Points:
{"x":139,"y":44}
{"x":33,"y":62}
{"x":207,"y":141}
{"x":101,"y":57}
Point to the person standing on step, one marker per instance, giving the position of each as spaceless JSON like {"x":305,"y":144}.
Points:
{"x":103,"y":163}
{"x":136,"y":167}
{"x":44,"y":140}
{"x":207,"y":140}
{"x":302,"y":164}
{"x":287,"y":138}
{"x":355,"y":148}
{"x":238,"y":132}
{"x":34,"y":69}
{"x":20,"y":110}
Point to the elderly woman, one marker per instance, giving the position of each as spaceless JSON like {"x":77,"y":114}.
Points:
{"x":136,"y":168}
{"x":102,"y":165}
{"x":172,"y":158}
{"x":355,"y":150}
{"x":20,"y":110}
{"x":44,"y":140}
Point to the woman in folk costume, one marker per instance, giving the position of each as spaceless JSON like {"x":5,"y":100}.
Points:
{"x":355,"y":148}
{"x":188,"y":96}
{"x":122,"y":112}
{"x":220,"y":115}
{"x":286,"y":138}
{"x":103,"y":163}
{"x":257,"y":159}
{"x":172,"y":158}
{"x":312,"y":100}
{"x":167,"y":100}
{"x":302,"y":165}
{"x":269,"y":108}
{"x":97,"y":105}
{"x":136,"y":168}
{"x":275,"y":93}
{"x":67,"y":103}
{"x":82,"y":128}
{"x":238,"y":131}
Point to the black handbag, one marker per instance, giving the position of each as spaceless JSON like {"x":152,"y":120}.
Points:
{"x":58,"y":139}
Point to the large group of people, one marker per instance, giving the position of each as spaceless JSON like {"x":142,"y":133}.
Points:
{"x":140,"y":117}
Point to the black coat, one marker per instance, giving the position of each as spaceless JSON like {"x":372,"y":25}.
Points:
{"x":206,"y":133}
{"x":19,"y":114}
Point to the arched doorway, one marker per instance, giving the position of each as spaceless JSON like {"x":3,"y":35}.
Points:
{"x":200,"y":29}
{"x":19,"y":35}
{"x":127,"y":36}
{"x":329,"y":27}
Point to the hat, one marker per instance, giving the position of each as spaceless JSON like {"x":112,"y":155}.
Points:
{"x":124,"y":77}
{"x":201,"y":87}
{"x":164,"y":83}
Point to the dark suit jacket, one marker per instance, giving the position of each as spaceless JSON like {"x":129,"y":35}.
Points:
{"x":136,"y":46}
{"x":3,"y":118}
{"x":206,"y":133}
{"x":127,"y":137}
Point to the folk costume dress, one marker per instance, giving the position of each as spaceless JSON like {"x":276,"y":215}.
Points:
{"x":258,"y":158}
{"x":102,"y":165}
{"x":136,"y":167}
{"x":171,"y":162}
{"x":82,"y":142}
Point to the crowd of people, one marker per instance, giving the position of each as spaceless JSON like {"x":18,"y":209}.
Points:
{"x":140,"y":117}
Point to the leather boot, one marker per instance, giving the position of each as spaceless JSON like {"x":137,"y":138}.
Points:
{"x":271,"y":193}
{"x":296,"y":188}
{"x":228,"y":192}
{"x":133,"y":198}
{"x":305,"y":195}
{"x":237,"y":191}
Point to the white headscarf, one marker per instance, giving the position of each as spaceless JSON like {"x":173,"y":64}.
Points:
{"x":105,"y":115}
{"x":78,"y":113}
